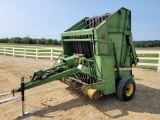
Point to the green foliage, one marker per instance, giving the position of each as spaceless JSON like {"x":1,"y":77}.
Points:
{"x":27,"y":40}
{"x":43,"y":41}
{"x":136,"y":78}
{"x":145,"y":44}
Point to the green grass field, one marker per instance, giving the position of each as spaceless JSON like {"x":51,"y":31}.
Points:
{"x":21,"y":45}
{"x":149,"y":48}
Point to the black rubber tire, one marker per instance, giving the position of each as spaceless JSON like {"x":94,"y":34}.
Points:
{"x":122,"y":87}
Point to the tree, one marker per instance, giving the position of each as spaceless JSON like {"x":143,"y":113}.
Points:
{"x":25,"y":40}
{"x":50,"y":41}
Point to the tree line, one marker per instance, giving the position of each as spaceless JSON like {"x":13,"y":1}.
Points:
{"x":143,"y":44}
{"x":27,"y":40}
{"x":43,"y":41}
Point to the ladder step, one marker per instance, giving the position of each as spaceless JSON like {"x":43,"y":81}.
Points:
{"x":3,"y":94}
{"x":9,"y":99}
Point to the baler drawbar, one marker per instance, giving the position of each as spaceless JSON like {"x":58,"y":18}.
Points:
{"x":97,"y":59}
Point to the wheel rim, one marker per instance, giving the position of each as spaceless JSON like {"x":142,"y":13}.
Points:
{"x":129,"y":90}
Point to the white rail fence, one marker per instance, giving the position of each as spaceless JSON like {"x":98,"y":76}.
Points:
{"x":46,"y":52}
{"x":38,"y":52}
{"x":144,"y":52}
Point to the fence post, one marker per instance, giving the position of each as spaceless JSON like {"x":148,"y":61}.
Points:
{"x":159,"y":62}
{"x":13,"y":51}
{"x":24,"y":53}
{"x":36,"y":53}
{"x":51,"y":53}
{"x":4,"y":50}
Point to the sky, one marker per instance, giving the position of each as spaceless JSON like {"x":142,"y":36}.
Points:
{"x":49,"y":18}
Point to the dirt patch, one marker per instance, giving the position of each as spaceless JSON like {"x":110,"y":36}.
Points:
{"x":57,"y":101}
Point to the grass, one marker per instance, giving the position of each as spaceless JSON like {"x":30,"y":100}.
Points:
{"x":148,"y":55}
{"x":149,"y":48}
{"x":21,"y":45}
{"x":136,"y":78}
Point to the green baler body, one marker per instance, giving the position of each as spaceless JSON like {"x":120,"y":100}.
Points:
{"x":111,"y":46}
{"x":98,"y":52}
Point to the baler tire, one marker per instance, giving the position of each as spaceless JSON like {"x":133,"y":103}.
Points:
{"x":126,"y":89}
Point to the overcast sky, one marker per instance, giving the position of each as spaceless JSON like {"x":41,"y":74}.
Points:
{"x":49,"y":18}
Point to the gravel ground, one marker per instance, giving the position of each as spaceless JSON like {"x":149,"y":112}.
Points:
{"x":57,"y":101}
